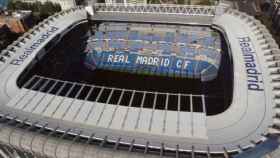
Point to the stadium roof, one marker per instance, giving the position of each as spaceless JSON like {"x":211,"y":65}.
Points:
{"x":255,"y":55}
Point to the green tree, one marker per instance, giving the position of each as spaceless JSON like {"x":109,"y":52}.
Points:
{"x":205,"y":2}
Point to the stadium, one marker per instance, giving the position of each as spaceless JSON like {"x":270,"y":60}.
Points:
{"x":115,"y":80}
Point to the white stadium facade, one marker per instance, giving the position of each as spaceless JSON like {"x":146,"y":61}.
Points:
{"x":44,"y":124}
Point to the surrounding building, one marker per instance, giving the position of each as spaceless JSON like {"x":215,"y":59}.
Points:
{"x":65,"y":4}
{"x":13,"y":25}
{"x":18,"y":22}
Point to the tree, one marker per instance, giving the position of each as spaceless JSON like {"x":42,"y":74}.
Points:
{"x":205,"y":2}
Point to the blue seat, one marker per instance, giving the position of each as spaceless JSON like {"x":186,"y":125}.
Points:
{"x":210,"y":53}
{"x":118,"y":45}
{"x":113,"y":44}
{"x":133,"y":35}
{"x":154,"y":47}
{"x":183,"y":48}
{"x":110,"y":35}
{"x":117,"y":34}
{"x":169,"y":37}
{"x":146,"y":37}
{"x":122,"y":44}
{"x":133,"y":46}
{"x":150,"y":46}
{"x":183,"y":38}
{"x":120,"y":34}
{"x":150,"y":36}
{"x":110,"y":44}
{"x":209,"y":41}
{"x":193,"y":38}
{"x":156,"y":38}
{"x":140,"y":45}
{"x":166,"y":48}
{"x":99,"y":35}
{"x":189,"y":51}
{"x":204,"y":51}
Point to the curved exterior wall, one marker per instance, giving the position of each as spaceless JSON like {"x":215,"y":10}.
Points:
{"x":252,"y":112}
